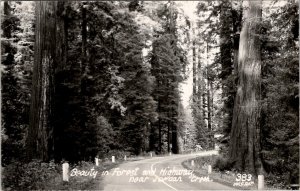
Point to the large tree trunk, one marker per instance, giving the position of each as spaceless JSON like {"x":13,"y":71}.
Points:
{"x":60,"y":103}
{"x":48,"y":52}
{"x":83,"y":77}
{"x":244,"y":146}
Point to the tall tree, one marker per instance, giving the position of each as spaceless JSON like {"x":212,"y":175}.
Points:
{"x":199,"y":115}
{"x":48,"y":54}
{"x":245,"y":134}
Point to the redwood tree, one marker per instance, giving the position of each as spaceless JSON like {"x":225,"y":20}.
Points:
{"x":48,"y":53}
{"x":245,"y":146}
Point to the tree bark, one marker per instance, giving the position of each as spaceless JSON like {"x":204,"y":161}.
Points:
{"x":200,"y":105}
{"x":199,"y":86}
{"x":169,"y":137}
{"x":209,"y":111}
{"x":194,"y":71}
{"x":236,"y":29}
{"x":152,"y":138}
{"x":159,"y":127}
{"x":174,"y":140}
{"x":60,"y":78}
{"x":47,"y":55}
{"x":244,"y":148}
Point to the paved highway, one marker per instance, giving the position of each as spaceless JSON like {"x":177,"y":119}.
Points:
{"x":159,"y":174}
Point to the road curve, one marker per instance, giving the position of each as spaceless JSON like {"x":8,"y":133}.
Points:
{"x":159,"y":174}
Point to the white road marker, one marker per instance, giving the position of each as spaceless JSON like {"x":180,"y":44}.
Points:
{"x":209,"y":169}
{"x":260,"y":182}
{"x":97,"y":161}
{"x":65,"y":167}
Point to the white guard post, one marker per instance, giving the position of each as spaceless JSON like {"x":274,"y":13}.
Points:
{"x":261,"y":182}
{"x":65,"y":167}
{"x":209,"y":170}
{"x":192,"y":163}
{"x":96,"y":161}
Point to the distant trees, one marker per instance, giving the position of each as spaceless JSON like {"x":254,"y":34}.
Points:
{"x":199,"y":95}
{"x":167,"y":61}
{"x":138,"y":86}
{"x":205,"y":70}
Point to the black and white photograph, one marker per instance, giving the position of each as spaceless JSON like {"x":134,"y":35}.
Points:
{"x":149,"y":95}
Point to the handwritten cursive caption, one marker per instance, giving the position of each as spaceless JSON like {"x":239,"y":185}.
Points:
{"x":140,"y":176}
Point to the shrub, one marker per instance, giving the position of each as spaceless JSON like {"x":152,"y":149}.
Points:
{"x":117,"y":153}
{"x":222,"y":164}
{"x":30,"y":176}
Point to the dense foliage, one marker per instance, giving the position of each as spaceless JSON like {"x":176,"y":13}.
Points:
{"x":281,"y":94}
{"x":105,"y":91}
{"x":115,"y":76}
{"x":17,"y":58}
{"x":279,"y":101}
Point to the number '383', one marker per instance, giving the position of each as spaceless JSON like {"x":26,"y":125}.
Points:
{"x":243,"y":177}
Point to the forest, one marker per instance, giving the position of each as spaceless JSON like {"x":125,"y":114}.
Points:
{"x":86,"y":79}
